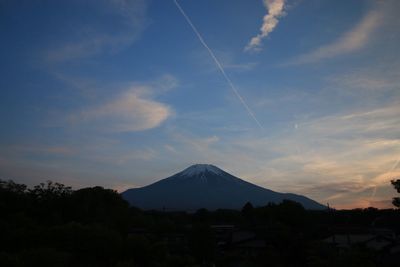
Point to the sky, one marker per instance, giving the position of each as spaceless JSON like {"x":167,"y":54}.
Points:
{"x":292,"y":95}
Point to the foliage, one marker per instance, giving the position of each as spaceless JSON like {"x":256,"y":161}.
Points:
{"x":396,"y":185}
{"x":53,"y":225}
{"x":248,"y":209}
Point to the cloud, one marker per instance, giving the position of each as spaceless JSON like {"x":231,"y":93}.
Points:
{"x":229,"y":61}
{"x":379,"y":122}
{"x":94,"y":44}
{"x":120,"y":157}
{"x":118,"y":106}
{"x":170,"y":148}
{"x":165,"y":83}
{"x":198,"y":144}
{"x":121,"y":24}
{"x":353,"y":40}
{"x":368,"y":83}
{"x":130,"y":111}
{"x":340,"y":156}
{"x":275,"y":10}
{"x":345,"y":159}
{"x":54,"y":150}
{"x":240,"y":67}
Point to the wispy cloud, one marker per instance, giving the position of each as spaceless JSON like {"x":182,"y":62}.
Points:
{"x":229,"y":60}
{"x":241,"y":66}
{"x":52,"y":150}
{"x":339,"y":159}
{"x":353,"y":40}
{"x":130,"y":111}
{"x":369,"y":82}
{"x":133,"y":108}
{"x":342,"y":156}
{"x":31,"y":150}
{"x":165,"y":83}
{"x":127,"y":18}
{"x":201,"y":144}
{"x":270,"y":21}
{"x":92,"y":44}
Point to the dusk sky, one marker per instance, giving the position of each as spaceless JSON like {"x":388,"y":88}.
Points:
{"x":297,"y":96}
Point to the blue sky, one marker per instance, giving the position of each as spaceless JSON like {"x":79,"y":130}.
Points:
{"x":123,"y":93}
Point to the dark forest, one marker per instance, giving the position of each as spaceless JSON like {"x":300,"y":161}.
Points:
{"x":53,"y":225}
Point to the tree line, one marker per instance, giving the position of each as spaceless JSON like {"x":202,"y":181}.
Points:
{"x":52,"y":225}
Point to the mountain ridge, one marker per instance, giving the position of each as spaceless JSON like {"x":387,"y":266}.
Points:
{"x":207,"y":186}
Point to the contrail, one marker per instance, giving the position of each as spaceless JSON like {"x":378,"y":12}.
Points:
{"x":219,"y":65}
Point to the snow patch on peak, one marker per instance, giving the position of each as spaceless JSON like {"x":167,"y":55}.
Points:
{"x":197,"y":169}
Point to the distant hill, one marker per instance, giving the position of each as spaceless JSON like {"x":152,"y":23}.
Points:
{"x":207,"y":186}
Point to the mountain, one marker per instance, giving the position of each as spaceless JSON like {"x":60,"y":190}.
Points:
{"x":207,"y":186}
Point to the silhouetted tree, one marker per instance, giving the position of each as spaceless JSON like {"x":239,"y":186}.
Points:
{"x":247,"y":208}
{"x":248,"y":211}
{"x":50,"y":191}
{"x":291,"y":213}
{"x":49,"y":202}
{"x":52,"y":225}
{"x":396,"y":185}
{"x":12,"y":197}
{"x":99,"y":205}
{"x":11,"y":186}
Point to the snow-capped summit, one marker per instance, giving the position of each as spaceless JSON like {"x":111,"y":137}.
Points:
{"x":199,"y":169}
{"x":204,"y":174}
{"x":207,"y":186}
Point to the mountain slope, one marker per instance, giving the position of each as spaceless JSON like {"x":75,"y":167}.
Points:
{"x":206,"y":186}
